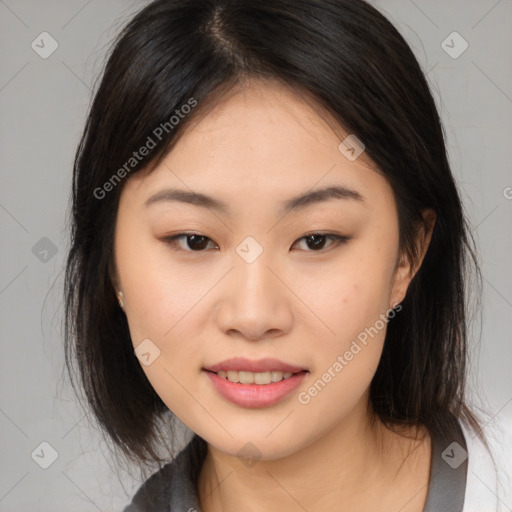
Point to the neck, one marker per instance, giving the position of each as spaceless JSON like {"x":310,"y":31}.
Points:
{"x":333,"y":472}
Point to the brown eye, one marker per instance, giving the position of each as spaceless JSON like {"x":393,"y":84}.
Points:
{"x":316,"y":241}
{"x":192,"y":242}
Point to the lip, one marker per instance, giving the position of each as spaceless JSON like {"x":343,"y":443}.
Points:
{"x":255,"y":395}
{"x":242,"y":364}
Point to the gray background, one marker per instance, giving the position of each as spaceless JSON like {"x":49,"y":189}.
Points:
{"x":43,"y":103}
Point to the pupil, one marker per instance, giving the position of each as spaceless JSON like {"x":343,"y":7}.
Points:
{"x":317,"y":244}
{"x":196,"y":237}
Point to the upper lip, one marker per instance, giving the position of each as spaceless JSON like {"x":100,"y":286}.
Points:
{"x":247,"y":365}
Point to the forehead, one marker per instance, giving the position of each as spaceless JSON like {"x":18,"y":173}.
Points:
{"x":265,"y":141}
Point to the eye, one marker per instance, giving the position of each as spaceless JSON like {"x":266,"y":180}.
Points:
{"x":316,"y":241}
{"x":193,"y":242}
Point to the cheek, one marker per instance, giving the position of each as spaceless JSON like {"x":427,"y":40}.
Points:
{"x":157,"y":295}
{"x":354,"y":303}
{"x":349,"y":297}
{"x":161,"y":309}
{"x":355,"y":307}
{"x":164,"y":304}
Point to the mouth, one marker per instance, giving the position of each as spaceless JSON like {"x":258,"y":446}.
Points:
{"x":240,"y":370}
{"x":255,"y":389}
{"x":260,"y":378}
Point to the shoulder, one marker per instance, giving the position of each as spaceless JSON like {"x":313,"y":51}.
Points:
{"x":489,"y":473}
{"x":154,"y":493}
{"x":172,"y":487}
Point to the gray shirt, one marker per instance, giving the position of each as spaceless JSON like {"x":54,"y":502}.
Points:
{"x":173,"y":488}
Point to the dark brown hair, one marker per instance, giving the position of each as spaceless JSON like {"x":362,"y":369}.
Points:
{"x":356,"y":65}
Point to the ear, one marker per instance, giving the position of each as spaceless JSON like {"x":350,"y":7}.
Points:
{"x":112,"y":273}
{"x":407,"y":266}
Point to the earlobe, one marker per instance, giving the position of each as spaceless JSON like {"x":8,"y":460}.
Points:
{"x":112,"y":273}
{"x":401,"y":280}
{"x":120,"y":297}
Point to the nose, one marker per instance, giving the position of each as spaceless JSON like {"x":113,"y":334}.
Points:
{"x":256,"y":303}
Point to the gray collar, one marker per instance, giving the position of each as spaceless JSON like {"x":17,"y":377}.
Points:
{"x":172,"y":489}
{"x":448,"y":474}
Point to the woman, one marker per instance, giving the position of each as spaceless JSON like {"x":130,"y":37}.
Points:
{"x":267,"y":241}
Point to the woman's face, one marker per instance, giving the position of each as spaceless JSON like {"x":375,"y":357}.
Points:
{"x":253,"y":283}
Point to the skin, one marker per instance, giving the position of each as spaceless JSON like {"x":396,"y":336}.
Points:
{"x":256,"y":147}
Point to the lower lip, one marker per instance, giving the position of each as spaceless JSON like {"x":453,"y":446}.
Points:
{"x":255,"y":395}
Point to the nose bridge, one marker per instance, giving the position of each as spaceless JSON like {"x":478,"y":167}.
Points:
{"x":252,"y":275}
{"x":254,"y":302}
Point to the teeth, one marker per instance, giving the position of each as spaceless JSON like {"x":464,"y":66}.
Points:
{"x":254,"y":378}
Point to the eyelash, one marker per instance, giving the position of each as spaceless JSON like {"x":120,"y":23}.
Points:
{"x":338,"y":240}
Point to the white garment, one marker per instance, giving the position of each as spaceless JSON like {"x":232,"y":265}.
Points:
{"x":489,"y":485}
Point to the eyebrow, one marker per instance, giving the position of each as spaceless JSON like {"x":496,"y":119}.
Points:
{"x":295,"y":203}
